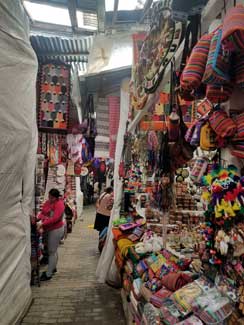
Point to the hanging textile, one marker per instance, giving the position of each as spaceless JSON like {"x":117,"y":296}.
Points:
{"x":114,"y":116}
{"x":102,"y":139}
{"x":54,"y":98}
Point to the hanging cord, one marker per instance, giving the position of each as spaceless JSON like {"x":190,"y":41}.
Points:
{"x":224,"y":6}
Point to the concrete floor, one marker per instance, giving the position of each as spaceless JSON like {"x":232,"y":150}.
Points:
{"x":73,"y":296}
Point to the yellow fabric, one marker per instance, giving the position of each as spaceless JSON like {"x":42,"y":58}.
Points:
{"x":123,"y":245}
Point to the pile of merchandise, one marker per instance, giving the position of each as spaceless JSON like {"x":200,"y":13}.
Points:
{"x":195,"y":276}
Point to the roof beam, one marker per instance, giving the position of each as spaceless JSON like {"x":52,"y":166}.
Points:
{"x":72,"y":14}
{"x":116,"y":6}
{"x":101,"y":15}
{"x":52,"y":29}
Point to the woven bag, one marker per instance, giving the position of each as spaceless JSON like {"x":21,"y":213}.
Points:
{"x":192,"y":74}
{"x":219,"y":94}
{"x":222,"y":124}
{"x":218,"y":63}
{"x":239,"y":69}
{"x":239,"y":120}
{"x":233,"y":29}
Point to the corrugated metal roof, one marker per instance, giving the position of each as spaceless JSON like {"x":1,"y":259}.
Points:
{"x":70,"y":50}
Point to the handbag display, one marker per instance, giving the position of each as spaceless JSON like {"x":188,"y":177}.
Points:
{"x":222,"y":124}
{"x":192,"y":74}
{"x":233,"y":29}
{"x":218,"y":63}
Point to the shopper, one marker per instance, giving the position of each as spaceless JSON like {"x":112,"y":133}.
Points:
{"x":103,"y":209}
{"x":51,"y":219}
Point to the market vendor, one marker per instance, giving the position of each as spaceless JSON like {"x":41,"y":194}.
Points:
{"x":51,"y":220}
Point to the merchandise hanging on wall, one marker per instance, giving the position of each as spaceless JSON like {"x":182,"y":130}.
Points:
{"x":54,"y":101}
{"x":114,"y":116}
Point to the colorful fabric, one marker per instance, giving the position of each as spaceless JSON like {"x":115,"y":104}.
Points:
{"x":233,"y":29}
{"x":219,"y":94}
{"x":239,"y":69}
{"x":123,"y":245}
{"x":74,"y":142}
{"x":158,"y":298}
{"x":114,"y":116}
{"x":192,"y":74}
{"x":169,"y":313}
{"x":54,"y":99}
{"x":222,"y":125}
{"x":185,"y":296}
{"x":102,"y":139}
{"x":175,"y":281}
{"x":218,"y":63}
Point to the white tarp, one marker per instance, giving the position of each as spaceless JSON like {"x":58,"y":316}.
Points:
{"x":18,"y":139}
{"x":104,"y":271}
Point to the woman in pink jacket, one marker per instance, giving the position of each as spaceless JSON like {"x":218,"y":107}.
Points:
{"x":51,"y":220}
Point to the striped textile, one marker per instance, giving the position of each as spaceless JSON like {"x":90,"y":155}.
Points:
{"x":222,"y":124}
{"x":233,"y":29}
{"x":240,"y":128}
{"x":218,"y":64}
{"x":192,"y":74}
{"x":239,"y":69}
{"x":102,"y":139}
{"x":219,"y":94}
{"x":114,"y":115}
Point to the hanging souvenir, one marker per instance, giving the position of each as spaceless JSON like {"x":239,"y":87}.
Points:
{"x":221,"y":123}
{"x":207,"y":138}
{"x":233,"y":29}
{"x":218,"y":64}
{"x":219,"y":93}
{"x":158,"y":48}
{"x":193,"y":72}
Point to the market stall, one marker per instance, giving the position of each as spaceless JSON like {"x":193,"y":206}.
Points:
{"x":176,"y":239}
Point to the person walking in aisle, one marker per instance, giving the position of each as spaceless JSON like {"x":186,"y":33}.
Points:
{"x":103,"y":210}
{"x":51,"y":220}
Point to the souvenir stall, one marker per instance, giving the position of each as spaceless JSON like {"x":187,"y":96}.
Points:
{"x":176,"y":228}
{"x":63,"y":148}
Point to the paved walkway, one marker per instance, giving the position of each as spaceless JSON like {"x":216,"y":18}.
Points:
{"x":73,"y":296}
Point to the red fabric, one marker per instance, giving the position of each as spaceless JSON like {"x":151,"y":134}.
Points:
{"x":114,"y":116}
{"x":52,"y":215}
{"x":175,"y":281}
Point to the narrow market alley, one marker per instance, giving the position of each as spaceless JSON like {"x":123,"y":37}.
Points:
{"x":73,"y":296}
